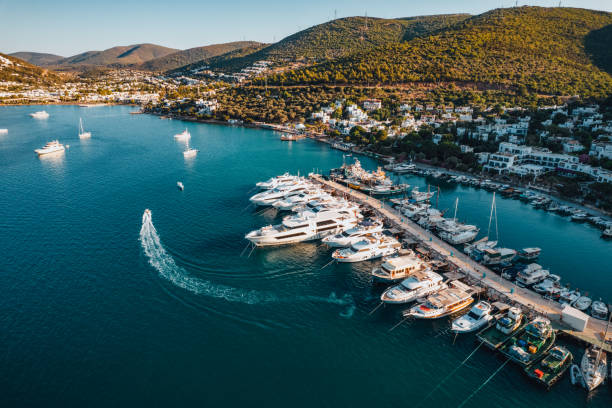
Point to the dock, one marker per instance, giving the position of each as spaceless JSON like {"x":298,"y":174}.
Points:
{"x":477,"y":274}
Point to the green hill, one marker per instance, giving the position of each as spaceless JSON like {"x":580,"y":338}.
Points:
{"x":37,"y":58}
{"x":118,"y":56}
{"x":186,"y":57}
{"x":341,"y":37}
{"x":544,"y":50}
{"x":16,"y":70}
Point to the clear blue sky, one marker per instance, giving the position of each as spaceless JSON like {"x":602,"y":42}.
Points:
{"x":68,"y":27}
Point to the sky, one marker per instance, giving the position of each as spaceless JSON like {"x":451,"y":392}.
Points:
{"x":69,"y":27}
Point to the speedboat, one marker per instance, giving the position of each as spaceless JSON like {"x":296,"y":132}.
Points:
{"x":353,"y":235}
{"x":396,"y":268}
{"x":417,"y":285}
{"x":532,"y":274}
{"x":582,"y":303}
{"x":40,"y":115}
{"x":82,"y":133}
{"x":184,"y":135}
{"x":180,"y":185}
{"x":599,"y":310}
{"x":295,"y":201}
{"x":369,"y":247}
{"x":593,"y":368}
{"x":479,"y":316}
{"x":443,"y":303}
{"x":529,"y":254}
{"x":51,"y":147}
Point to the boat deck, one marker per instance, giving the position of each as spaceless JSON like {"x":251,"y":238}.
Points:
{"x":528,"y":300}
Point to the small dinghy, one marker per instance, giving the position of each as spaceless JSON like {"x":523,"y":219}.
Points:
{"x":575,"y":375}
{"x":180,"y":185}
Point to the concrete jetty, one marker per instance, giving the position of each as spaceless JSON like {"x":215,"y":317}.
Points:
{"x":527,"y":299}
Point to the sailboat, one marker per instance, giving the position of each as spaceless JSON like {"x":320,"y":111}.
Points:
{"x":82,"y":133}
{"x":594,"y":364}
{"x":190,"y":152}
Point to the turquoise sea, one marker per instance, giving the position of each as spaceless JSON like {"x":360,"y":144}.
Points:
{"x":97,"y":311}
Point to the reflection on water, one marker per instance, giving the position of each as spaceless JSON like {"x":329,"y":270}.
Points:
{"x":54,"y":162}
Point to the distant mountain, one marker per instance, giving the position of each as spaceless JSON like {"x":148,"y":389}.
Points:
{"x":118,"y":56}
{"x":561,"y":51}
{"x":37,"y":58}
{"x":16,"y":70}
{"x":186,"y":57}
{"x":341,"y":37}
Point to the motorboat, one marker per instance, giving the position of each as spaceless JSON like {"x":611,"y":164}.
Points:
{"x":419,"y":196}
{"x":184,"y":135}
{"x":529,"y":254}
{"x":275,"y":181}
{"x":3,"y":131}
{"x":190,"y":152}
{"x":412,"y":210}
{"x":180,"y":185}
{"x":40,"y":115}
{"x":369,"y":247}
{"x":394,"y":269}
{"x":568,"y":296}
{"x":593,"y":367}
{"x":495,"y":256}
{"x":51,"y":147}
{"x":479,"y":316}
{"x":506,"y":326}
{"x":419,"y":284}
{"x":460,"y":234}
{"x":582,"y":303}
{"x":599,"y":310}
{"x":379,"y":190}
{"x":82,"y":133}
{"x":476,"y":249}
{"x":355,"y":234}
{"x":295,"y":201}
{"x":455,"y":298}
{"x":579,"y":216}
{"x":532,"y":274}
{"x":528,"y":346}
{"x":305,"y":226}
{"x":549,"y":287}
{"x":268,"y":197}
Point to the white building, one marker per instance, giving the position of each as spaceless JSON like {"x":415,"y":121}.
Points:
{"x":572,"y":146}
{"x":372,"y":104}
{"x":601,"y":149}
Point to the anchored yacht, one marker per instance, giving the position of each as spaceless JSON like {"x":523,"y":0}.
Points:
{"x":417,"y":285}
{"x":184,"y":135}
{"x":369,"y":247}
{"x":354,"y":235}
{"x":51,"y":147}
{"x":419,"y":196}
{"x":40,"y":115}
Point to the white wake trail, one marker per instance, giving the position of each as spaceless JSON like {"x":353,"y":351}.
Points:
{"x":168,"y":269}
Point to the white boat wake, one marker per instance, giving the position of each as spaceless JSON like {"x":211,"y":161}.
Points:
{"x":168,"y":269}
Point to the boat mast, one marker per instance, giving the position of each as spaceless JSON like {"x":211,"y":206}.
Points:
{"x":456,"y":205}
{"x":493,"y":209}
{"x":603,"y":339}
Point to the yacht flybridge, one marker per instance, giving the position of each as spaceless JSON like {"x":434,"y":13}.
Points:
{"x":354,"y":235}
{"x":51,"y":147}
{"x":455,"y":298}
{"x":369,"y":247}
{"x":417,"y":285}
{"x":396,"y":268}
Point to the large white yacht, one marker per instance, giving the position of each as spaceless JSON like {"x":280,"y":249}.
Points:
{"x":479,"y":316}
{"x":412,"y":210}
{"x":455,"y":298}
{"x":532,"y":274}
{"x":184,"y":135}
{"x":51,"y":147}
{"x":40,"y":115}
{"x":305,"y":226}
{"x":355,"y":234}
{"x":268,"y":197}
{"x":275,"y":181}
{"x":396,"y":268}
{"x":458,"y":234}
{"x":306,"y":196}
{"x":417,"y":285}
{"x":369,"y":247}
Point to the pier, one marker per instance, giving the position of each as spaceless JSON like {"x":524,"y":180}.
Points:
{"x":476,"y":273}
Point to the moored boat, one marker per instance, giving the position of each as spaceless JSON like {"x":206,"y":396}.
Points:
{"x":417,"y":285}
{"x":593,"y":368}
{"x":506,"y":326}
{"x":552,"y":367}
{"x":396,"y":268}
{"x":528,"y":345}
{"x":455,"y":298}
{"x":51,"y":147}
{"x":479,"y":316}
{"x":40,"y":115}
{"x":369,"y":247}
{"x":495,"y":256}
{"x":529,"y":254}
{"x":184,"y":135}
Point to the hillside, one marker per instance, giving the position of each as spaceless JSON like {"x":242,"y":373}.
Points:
{"x":535,"y":49}
{"x":16,"y":70}
{"x":186,"y":57}
{"x":118,"y":56}
{"x":37,"y":58}
{"x":227,"y":60}
{"x":341,"y":37}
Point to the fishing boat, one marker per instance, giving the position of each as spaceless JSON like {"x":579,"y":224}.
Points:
{"x":82,"y":133}
{"x":184,"y":135}
{"x":369,"y":247}
{"x":355,"y":234}
{"x":397,"y":268}
{"x":529,"y":254}
{"x":455,"y":298}
{"x":599,"y":310}
{"x":496,"y":256}
{"x":593,"y":367}
{"x":51,"y":147}
{"x":480,"y":315}
{"x":419,"y":284}
{"x":180,"y":185}
{"x":551,"y":368}
{"x":40,"y":115}
{"x":530,"y":344}
{"x":506,"y":326}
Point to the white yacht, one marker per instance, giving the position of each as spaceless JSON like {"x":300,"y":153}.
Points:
{"x":82,"y":133}
{"x":190,"y":152}
{"x":397,"y":268}
{"x":479,"y":316}
{"x":532,"y":274}
{"x":40,"y":115}
{"x":412,"y":210}
{"x":460,"y":234}
{"x":184,"y":135}
{"x":599,"y":310}
{"x":593,"y":368}
{"x":180,"y":185}
{"x":3,"y":131}
{"x":400,"y":168}
{"x":306,"y":226}
{"x":51,"y":147}
{"x":476,"y":249}
{"x":496,"y":256}
{"x":455,"y":298}
{"x":275,"y":181}
{"x":353,"y":235}
{"x":419,"y":196}
{"x":268,"y":197}
{"x":419,"y":284}
{"x":369,"y":247}
{"x":306,"y":196}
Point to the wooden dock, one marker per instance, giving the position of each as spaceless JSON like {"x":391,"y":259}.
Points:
{"x":478,"y":274}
